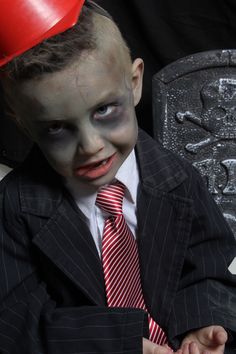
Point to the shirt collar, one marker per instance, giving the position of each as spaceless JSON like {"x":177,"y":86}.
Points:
{"x":85,"y":196}
{"x":128,"y":175}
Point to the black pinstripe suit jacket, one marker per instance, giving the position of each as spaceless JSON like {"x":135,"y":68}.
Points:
{"x":52,"y":297}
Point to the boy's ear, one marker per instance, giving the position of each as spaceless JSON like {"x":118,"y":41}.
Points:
{"x":137,"y":79}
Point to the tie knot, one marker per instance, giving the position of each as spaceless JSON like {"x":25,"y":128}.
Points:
{"x":110,"y":198}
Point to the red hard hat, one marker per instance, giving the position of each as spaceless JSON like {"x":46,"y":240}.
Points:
{"x":26,"y":23}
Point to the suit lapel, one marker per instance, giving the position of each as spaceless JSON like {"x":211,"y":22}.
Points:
{"x":59,"y":229}
{"x":164,"y":222}
{"x":66,"y":240}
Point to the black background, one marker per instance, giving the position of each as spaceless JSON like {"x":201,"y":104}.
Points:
{"x":160,"y":32}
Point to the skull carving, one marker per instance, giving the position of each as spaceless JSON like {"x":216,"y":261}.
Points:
{"x":218,"y":115}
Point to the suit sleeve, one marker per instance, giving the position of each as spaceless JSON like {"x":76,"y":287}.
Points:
{"x":32,"y":323}
{"x":207,"y":290}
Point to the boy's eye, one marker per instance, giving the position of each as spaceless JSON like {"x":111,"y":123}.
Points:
{"x":104,"y":111}
{"x":55,"y":128}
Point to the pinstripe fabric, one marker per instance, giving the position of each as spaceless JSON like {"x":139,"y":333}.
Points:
{"x":52,"y":297}
{"x":185,"y":230}
{"x":120,"y":259}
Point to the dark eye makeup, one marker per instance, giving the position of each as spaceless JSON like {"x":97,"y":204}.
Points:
{"x":55,"y":128}
{"x":106,"y":111}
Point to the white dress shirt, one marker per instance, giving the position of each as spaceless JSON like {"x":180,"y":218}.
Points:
{"x":85,"y":198}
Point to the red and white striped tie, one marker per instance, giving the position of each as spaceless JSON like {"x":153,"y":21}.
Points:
{"x":120,"y":259}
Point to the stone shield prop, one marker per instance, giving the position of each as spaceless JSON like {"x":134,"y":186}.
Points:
{"x":194,"y":112}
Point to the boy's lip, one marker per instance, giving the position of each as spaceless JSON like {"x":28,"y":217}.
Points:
{"x":95,"y":169}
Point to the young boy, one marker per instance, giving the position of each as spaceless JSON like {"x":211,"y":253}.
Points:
{"x":74,"y":95}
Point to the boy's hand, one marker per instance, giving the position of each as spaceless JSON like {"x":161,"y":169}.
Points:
{"x":152,"y":348}
{"x":209,"y":340}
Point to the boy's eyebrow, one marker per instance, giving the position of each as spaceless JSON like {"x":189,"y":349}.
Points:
{"x":41,"y":123}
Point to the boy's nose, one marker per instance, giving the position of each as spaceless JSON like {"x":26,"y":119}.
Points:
{"x":90,"y":142}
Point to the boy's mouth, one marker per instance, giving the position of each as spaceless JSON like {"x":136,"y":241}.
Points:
{"x":96,"y":169}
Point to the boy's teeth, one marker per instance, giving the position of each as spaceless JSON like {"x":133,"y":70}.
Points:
{"x":100,"y":163}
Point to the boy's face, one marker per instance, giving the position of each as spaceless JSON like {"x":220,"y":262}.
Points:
{"x":83,"y":117}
